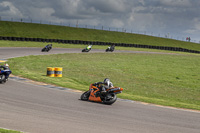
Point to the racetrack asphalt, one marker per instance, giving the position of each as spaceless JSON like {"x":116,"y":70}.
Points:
{"x":35,"y":107}
{"x":7,"y":52}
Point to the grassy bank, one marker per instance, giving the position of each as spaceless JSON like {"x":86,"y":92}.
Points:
{"x":8,"y":131}
{"x":171,"y":80}
{"x":18,"y":29}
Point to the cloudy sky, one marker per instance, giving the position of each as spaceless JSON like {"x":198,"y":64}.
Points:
{"x":175,"y":19}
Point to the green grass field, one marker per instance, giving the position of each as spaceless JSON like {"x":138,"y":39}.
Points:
{"x":171,"y":80}
{"x":8,"y":131}
{"x":18,"y":29}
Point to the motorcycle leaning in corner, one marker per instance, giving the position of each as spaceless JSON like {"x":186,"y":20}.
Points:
{"x":94,"y":94}
{"x":110,"y":48}
{"x":87,"y":49}
{"x":4,"y":73}
{"x":47,"y":48}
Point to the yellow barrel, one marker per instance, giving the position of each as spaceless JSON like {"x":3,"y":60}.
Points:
{"x":50,"y":72}
{"x":58,"y":72}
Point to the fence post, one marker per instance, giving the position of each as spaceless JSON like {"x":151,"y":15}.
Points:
{"x":77,"y":24}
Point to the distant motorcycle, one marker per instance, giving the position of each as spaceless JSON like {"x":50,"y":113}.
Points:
{"x":87,"y":49}
{"x":94,"y":94}
{"x":110,"y":48}
{"x":4,"y":74}
{"x":47,"y":48}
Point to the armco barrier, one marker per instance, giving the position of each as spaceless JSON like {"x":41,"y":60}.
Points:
{"x":96,"y":43}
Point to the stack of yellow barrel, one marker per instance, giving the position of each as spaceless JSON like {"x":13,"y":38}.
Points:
{"x":54,"y":72}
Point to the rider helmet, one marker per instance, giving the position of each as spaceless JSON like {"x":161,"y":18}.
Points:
{"x":107,"y":83}
{"x":6,"y":65}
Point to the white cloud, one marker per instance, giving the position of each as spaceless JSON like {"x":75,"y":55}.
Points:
{"x":108,"y":6}
{"x":41,"y":13}
{"x":176,"y":3}
{"x":10,"y":10}
{"x":197,"y":24}
{"x":117,"y":23}
{"x":195,"y":29}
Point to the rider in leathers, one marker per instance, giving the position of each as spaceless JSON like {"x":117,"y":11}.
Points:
{"x":5,"y":67}
{"x":89,"y":47}
{"x":106,"y":84}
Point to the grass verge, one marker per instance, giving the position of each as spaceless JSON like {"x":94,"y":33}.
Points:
{"x":171,"y":80}
{"x":8,"y":131}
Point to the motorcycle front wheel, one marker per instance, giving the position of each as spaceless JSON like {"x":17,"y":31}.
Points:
{"x":43,"y":50}
{"x":85,"y":96}
{"x":2,"y":78}
{"x":110,"y":99}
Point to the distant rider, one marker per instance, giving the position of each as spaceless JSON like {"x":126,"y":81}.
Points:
{"x":5,"y":67}
{"x":89,"y":47}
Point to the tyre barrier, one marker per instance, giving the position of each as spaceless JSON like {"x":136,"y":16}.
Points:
{"x":50,"y":71}
{"x":98,"y":43}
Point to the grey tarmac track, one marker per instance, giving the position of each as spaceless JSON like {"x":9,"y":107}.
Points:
{"x":39,"y":108}
{"x":6,"y":52}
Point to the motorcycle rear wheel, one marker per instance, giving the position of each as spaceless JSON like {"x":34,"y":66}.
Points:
{"x":110,"y":99}
{"x":85,"y":96}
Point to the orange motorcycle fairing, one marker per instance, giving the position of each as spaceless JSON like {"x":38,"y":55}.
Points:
{"x":92,"y":96}
{"x":115,"y":89}
{"x":120,"y":89}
